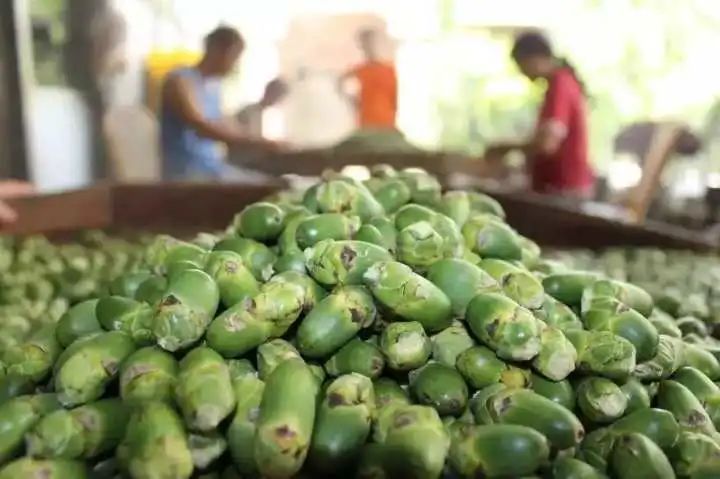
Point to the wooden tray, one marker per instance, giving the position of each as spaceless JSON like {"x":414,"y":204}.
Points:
{"x":313,"y":163}
{"x":164,"y":207}
{"x":553,"y":223}
{"x":184,"y":208}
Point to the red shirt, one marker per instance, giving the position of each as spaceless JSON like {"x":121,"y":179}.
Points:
{"x":568,"y":169}
{"x":378,"y":95}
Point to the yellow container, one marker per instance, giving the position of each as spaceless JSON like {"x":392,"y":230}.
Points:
{"x":158,"y":64}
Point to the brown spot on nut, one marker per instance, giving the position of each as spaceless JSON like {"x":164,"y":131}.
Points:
{"x":505,"y":405}
{"x":335,"y":399}
{"x":376,"y":364}
{"x":347,"y":256}
{"x":492,"y":327}
{"x":355,"y":315}
{"x":110,"y":366}
{"x":170,"y":300}
{"x":284,"y":432}
{"x":696,"y":418}
{"x":402,"y":420}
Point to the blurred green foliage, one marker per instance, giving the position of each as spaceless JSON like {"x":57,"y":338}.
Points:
{"x":48,"y":24}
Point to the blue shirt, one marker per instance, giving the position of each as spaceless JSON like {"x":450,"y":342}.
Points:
{"x":186,"y":154}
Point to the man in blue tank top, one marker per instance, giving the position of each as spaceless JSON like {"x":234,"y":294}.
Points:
{"x":192,"y":124}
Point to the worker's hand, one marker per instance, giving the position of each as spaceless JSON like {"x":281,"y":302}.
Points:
{"x":12,"y":189}
{"x":274,"y":146}
{"x":493,"y":162}
{"x":8,"y":215}
{"x":15,"y":189}
{"x":496,"y":153}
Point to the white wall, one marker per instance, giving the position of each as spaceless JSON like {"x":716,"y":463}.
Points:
{"x":128,"y":86}
{"x":60,"y":146}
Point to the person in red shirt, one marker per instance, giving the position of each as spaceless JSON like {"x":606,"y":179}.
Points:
{"x":376,"y":102}
{"x":557,"y":153}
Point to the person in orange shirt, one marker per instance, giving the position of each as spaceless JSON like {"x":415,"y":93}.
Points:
{"x":376,"y":101}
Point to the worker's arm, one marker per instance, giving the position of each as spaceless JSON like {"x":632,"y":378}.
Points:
{"x":555,"y":116}
{"x":179,"y":97}
{"x":547,"y":138}
{"x":394,"y":91}
{"x":249,"y":120}
{"x":343,"y":90}
{"x":341,"y":81}
{"x":495,"y":153}
{"x":552,"y":127}
{"x":546,"y":141}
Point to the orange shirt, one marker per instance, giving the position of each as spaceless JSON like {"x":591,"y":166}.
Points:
{"x":378,"y":94}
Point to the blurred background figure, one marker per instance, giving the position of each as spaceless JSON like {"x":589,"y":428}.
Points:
{"x":192,"y":125}
{"x":557,"y":153}
{"x":250,"y":117}
{"x":376,"y":100}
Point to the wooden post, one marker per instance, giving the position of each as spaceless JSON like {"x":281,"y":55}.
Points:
{"x":84,"y":55}
{"x":661,"y":150}
{"x":13,"y":89}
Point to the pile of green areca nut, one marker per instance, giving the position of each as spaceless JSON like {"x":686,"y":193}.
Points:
{"x":374,"y":329}
{"x":40,"y":280}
